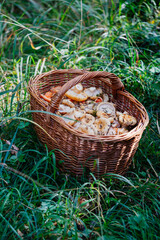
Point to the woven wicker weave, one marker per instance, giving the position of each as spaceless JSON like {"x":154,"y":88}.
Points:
{"x":79,"y":151}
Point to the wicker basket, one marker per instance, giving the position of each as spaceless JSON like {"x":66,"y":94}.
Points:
{"x":77,"y":151}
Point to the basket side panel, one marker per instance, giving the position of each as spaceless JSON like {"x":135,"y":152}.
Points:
{"x":81,"y":155}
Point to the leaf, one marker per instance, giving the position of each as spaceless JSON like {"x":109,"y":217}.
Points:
{"x":32,"y":45}
{"x":121,"y":178}
{"x":158,"y":127}
{"x":20,"y":233}
{"x":14,"y":149}
{"x":155,"y":70}
{"x":6,"y":156}
{"x":23,"y":125}
{"x":15,"y":232}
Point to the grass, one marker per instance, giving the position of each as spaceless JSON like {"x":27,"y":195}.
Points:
{"x":38,"y":201}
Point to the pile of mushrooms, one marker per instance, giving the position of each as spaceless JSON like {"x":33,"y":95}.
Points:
{"x":89,"y":111}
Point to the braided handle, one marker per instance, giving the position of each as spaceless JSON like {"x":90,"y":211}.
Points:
{"x":115,"y":82}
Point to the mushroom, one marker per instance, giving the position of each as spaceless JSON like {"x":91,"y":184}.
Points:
{"x":79,"y":114}
{"x":77,"y":88}
{"x":105,"y":98}
{"x":55,"y":89}
{"x":69,"y":117}
{"x":75,"y":96}
{"x":47,"y":96}
{"x":93,"y":92}
{"x":115,"y":124}
{"x":116,"y":131}
{"x":86,"y":129}
{"x":102,"y":126}
{"x":68,"y":103}
{"x":63,"y":109}
{"x":88,"y":119}
{"x":98,"y":100}
{"x":103,"y":114}
{"x":107,"y":108}
{"x":112,"y":131}
{"x":118,"y":113}
{"x":122,"y":130}
{"x":127,"y":120}
{"x":77,"y":124}
{"x":88,"y":106}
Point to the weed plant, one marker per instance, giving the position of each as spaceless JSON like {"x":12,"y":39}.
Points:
{"x":38,"y":201}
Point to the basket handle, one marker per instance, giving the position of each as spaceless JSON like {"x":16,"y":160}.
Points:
{"x":115,"y":83}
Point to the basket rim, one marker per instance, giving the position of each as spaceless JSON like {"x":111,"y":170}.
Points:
{"x":112,"y":138}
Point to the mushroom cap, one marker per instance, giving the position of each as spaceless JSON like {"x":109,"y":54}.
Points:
{"x":98,"y":100}
{"x":55,"y":89}
{"x":116,"y":131}
{"x":96,"y":93}
{"x":45,"y":98}
{"x":88,"y":119}
{"x":88,"y":92}
{"x":102,"y":114}
{"x":48,"y":94}
{"x":77,"y":88}
{"x":102,"y":126}
{"x":118,"y":113}
{"x":69,"y":119}
{"x":68,"y":103}
{"x":63,"y":109}
{"x":75,"y":96}
{"x":105,"y":115}
{"x":86,"y":129}
{"x":115,"y":124}
{"x":127,"y":120}
{"x":107,"y":108}
{"x":93,"y":92}
{"x":88,"y":107}
{"x":77,"y":124}
{"x":112,"y":131}
{"x":79,"y":114}
{"x":122,"y":130}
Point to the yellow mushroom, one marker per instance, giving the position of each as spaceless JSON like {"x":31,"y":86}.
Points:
{"x":75,"y":96}
{"x":127,"y":120}
{"x":102,"y":126}
{"x":122,"y":130}
{"x":55,"y":89}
